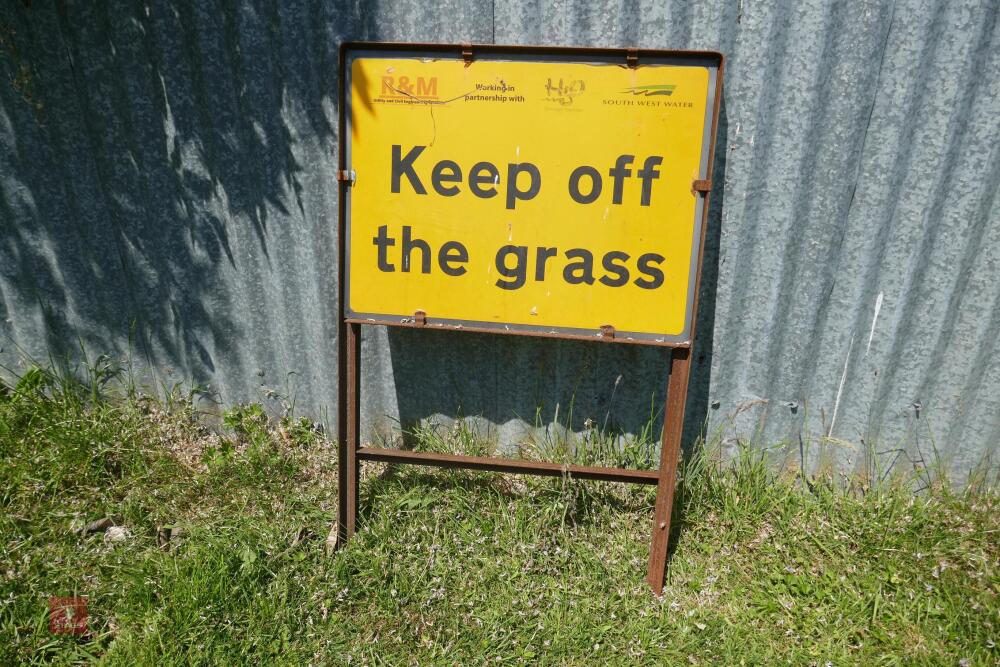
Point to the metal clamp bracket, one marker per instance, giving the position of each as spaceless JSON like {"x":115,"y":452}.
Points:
{"x":419,"y":318}
{"x":632,"y":58}
{"x":607,"y":331}
{"x":346,"y":176}
{"x":467,"y":53}
{"x":701,"y":186}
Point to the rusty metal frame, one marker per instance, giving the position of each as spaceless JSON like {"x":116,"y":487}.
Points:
{"x":350,"y":452}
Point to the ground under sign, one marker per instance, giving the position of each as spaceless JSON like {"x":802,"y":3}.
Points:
{"x":537,"y":195}
{"x":549,"y":192}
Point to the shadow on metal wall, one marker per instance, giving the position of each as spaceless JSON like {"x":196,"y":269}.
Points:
{"x":149,"y":167}
{"x":155,"y":178}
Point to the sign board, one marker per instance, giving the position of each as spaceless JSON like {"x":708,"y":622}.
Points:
{"x":537,"y":191}
{"x":542,"y":192}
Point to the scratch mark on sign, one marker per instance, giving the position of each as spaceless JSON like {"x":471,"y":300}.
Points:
{"x":430,"y":108}
{"x":417,"y":100}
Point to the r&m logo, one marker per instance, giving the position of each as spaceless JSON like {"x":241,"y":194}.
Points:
{"x":650,"y":91}
{"x":421,"y":88}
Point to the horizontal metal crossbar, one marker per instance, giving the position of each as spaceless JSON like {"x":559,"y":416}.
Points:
{"x":413,"y":323}
{"x":517,"y":466}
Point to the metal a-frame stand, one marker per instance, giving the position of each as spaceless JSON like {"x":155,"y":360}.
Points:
{"x":350,"y":451}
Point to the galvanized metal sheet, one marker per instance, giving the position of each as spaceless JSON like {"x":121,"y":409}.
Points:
{"x":167,"y":172}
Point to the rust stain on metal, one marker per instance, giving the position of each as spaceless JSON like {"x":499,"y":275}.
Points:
{"x":408,"y":322}
{"x":514,"y":466}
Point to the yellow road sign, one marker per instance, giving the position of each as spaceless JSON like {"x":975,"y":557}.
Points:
{"x":532,"y":194}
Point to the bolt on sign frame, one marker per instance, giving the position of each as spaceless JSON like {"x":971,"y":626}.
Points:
{"x":482,"y":95}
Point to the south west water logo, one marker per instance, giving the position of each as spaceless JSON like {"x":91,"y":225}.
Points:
{"x":650,"y":91}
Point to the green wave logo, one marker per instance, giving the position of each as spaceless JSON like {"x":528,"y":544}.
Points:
{"x":648,"y":91}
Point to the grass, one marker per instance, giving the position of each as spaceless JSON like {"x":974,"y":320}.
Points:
{"x":456,"y":567}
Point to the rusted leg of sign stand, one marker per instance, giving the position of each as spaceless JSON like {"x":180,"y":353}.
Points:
{"x":673,"y":423}
{"x":350,"y":432}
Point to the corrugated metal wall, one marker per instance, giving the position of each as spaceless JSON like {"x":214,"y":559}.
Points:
{"x":167,"y":174}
